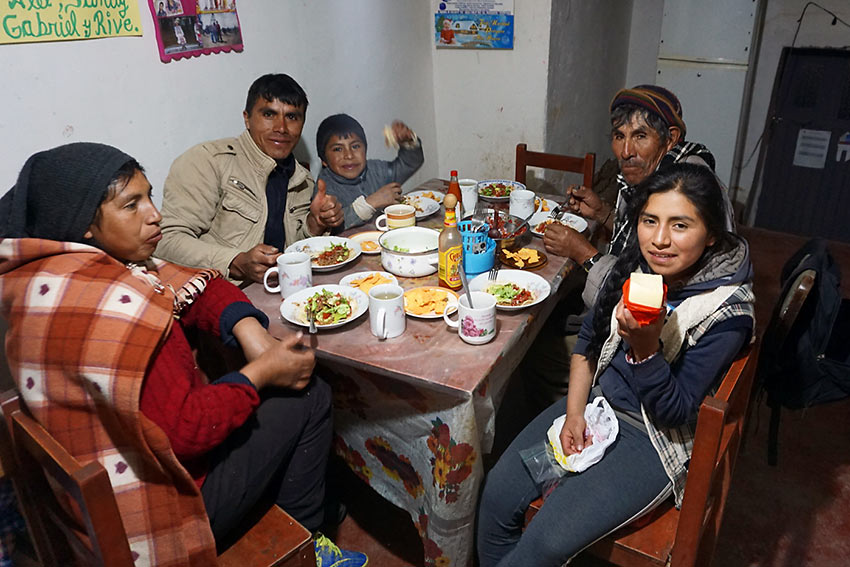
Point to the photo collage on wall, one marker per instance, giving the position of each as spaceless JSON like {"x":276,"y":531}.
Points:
{"x":187,"y":28}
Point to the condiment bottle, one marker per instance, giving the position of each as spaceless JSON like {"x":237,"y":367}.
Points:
{"x":450,"y":249}
{"x":454,"y":187}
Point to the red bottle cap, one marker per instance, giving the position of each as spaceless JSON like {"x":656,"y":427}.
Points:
{"x":454,"y":173}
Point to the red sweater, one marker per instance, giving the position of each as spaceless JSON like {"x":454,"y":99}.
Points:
{"x":197,"y":416}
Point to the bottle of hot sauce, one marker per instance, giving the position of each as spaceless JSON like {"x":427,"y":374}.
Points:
{"x":450,"y":247}
{"x":454,"y":186}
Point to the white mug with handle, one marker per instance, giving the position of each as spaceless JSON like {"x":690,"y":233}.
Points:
{"x":477,"y":325}
{"x":294,"y":272}
{"x":386,"y":311}
{"x":521,"y":203}
{"x":469,"y":196}
{"x":396,"y":216}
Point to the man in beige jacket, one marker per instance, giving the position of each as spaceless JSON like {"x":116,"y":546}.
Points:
{"x":233,"y":204}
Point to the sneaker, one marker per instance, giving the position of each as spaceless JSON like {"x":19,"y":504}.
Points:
{"x":329,"y":555}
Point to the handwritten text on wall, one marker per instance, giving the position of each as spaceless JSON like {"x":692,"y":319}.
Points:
{"x":23,"y":21}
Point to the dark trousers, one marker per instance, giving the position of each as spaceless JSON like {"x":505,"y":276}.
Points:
{"x":280,"y":453}
{"x":583,"y":508}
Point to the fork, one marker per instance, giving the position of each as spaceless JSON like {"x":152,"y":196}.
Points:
{"x":311,"y":318}
{"x":494,"y":271}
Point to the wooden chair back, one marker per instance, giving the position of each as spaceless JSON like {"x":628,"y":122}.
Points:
{"x":31,"y":456}
{"x":781,"y":321}
{"x":686,"y":537}
{"x":583,"y":165}
{"x":786,"y":310}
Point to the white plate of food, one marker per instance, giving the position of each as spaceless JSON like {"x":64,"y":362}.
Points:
{"x":429,"y":302}
{"x":364,"y":281}
{"x":368,"y":241}
{"x":333,"y":306}
{"x":424,"y":206}
{"x":498,"y":190}
{"x":433,"y":195}
{"x":544,"y":205}
{"x":328,"y":252}
{"x":539,"y":221}
{"x":513,"y":289}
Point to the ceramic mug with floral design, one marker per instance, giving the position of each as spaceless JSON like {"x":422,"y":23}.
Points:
{"x":476,"y":325}
{"x":294,"y":271}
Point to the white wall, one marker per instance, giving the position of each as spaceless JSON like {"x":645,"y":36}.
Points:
{"x":780,"y":22}
{"x":487,"y":101}
{"x":589,"y":56}
{"x":371,"y":58}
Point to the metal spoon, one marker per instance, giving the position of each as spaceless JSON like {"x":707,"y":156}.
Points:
{"x":525,"y":220}
{"x":465,"y":285}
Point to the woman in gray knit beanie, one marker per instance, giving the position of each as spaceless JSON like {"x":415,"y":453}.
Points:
{"x":59,"y":191}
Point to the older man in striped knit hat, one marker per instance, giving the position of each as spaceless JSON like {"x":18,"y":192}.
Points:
{"x":647,"y":134}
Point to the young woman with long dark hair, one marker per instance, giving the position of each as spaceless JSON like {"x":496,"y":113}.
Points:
{"x":654,"y":377}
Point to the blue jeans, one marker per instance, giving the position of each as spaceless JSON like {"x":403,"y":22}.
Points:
{"x":281,"y":452}
{"x":581,"y":509}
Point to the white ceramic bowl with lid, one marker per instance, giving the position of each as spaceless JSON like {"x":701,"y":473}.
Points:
{"x":410,"y":252}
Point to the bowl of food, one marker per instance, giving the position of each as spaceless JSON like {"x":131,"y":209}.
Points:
{"x":509,"y":231}
{"x":498,"y":190}
{"x":410,"y":251}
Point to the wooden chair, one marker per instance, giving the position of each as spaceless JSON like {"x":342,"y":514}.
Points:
{"x":525,"y":158}
{"x":29,"y":455}
{"x":686,"y":537}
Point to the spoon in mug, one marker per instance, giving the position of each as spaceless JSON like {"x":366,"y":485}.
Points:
{"x":465,"y":284}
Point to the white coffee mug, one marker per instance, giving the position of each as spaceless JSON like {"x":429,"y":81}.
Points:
{"x":468,"y":195}
{"x":294,"y":271}
{"x":386,"y":311}
{"x":522,"y":203}
{"x":477,"y":325}
{"x":396,"y":216}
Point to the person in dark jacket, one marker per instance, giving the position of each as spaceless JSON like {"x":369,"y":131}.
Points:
{"x":654,"y":377}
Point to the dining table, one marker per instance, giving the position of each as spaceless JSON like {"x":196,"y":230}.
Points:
{"x":414,"y":414}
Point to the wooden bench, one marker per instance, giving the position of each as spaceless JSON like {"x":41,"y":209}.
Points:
{"x":686,"y":537}
{"x":29,"y":455}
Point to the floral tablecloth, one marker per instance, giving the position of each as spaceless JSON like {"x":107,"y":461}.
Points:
{"x":419,"y":449}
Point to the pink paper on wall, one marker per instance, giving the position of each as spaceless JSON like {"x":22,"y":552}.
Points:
{"x":188,"y":28}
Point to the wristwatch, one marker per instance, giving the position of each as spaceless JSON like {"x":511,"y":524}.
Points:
{"x":587,"y":264}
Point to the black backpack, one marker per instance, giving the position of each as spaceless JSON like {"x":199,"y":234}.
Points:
{"x":812,"y":364}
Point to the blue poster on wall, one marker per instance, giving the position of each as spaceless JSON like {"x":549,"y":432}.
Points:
{"x":474,"y":24}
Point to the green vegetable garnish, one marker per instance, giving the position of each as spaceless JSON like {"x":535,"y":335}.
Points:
{"x":504,"y":292}
{"x":329,"y":308}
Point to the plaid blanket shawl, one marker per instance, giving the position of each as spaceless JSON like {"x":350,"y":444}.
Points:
{"x":82,"y":331}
